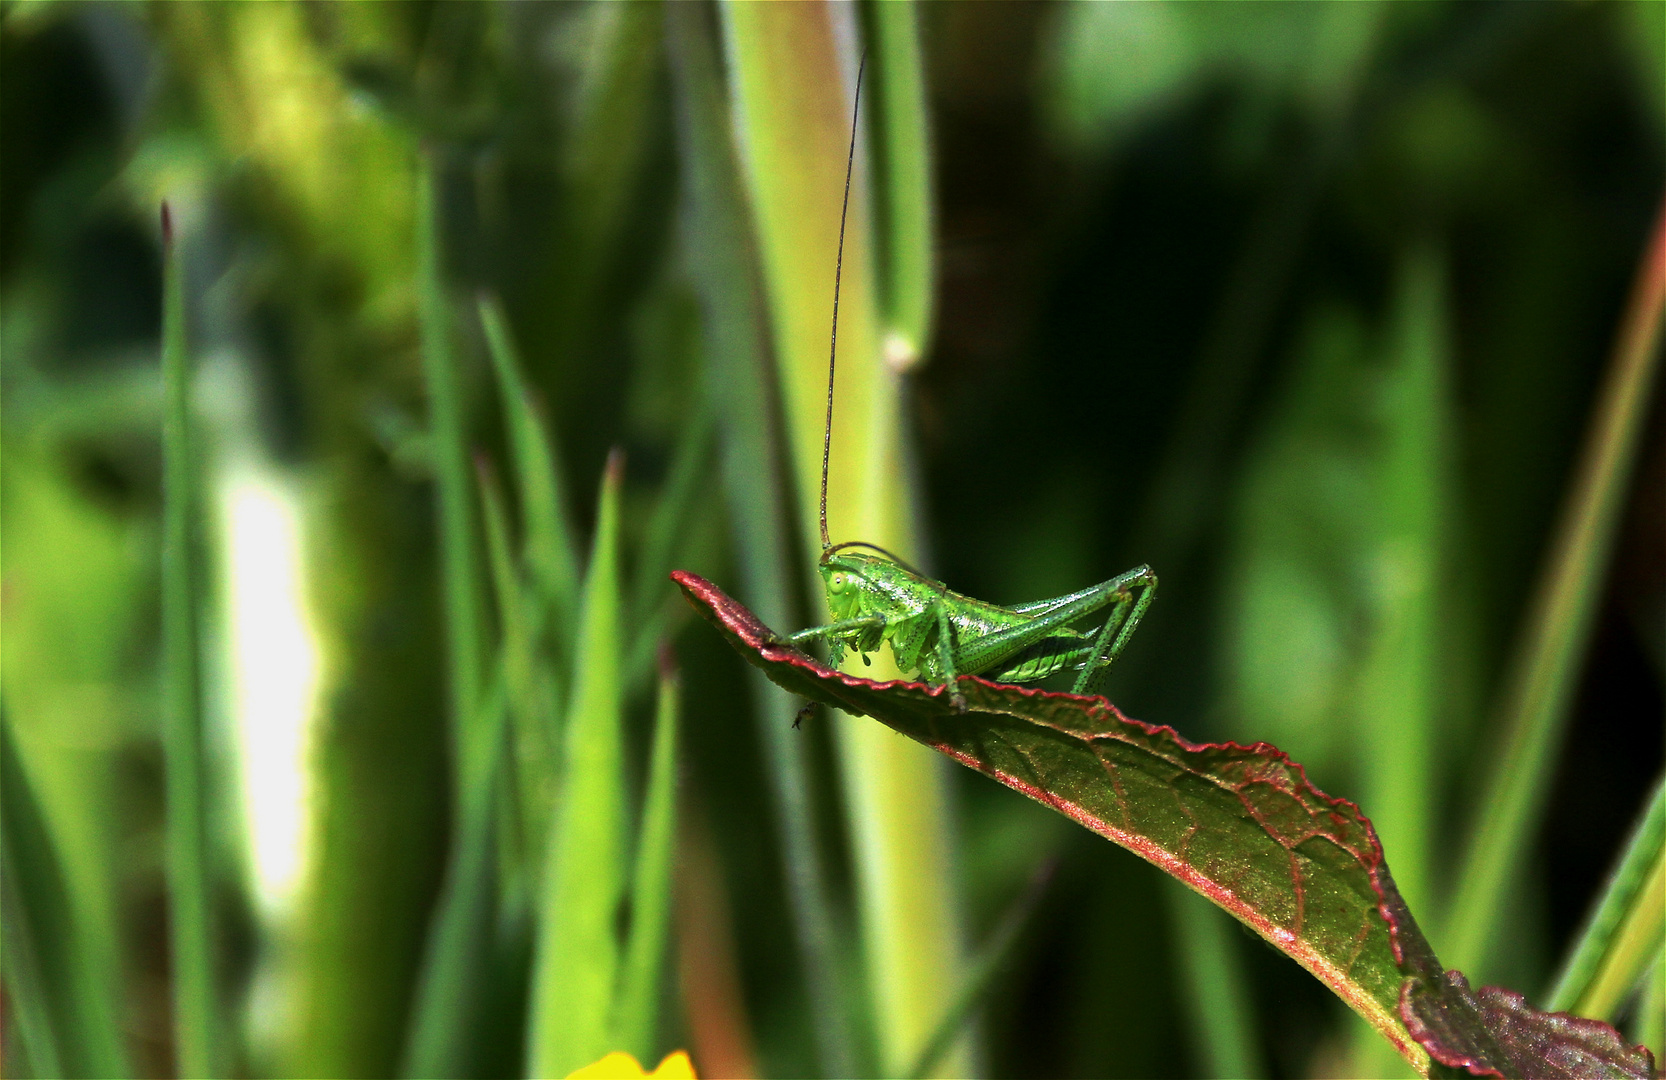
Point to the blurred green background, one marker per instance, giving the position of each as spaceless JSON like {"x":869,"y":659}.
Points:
{"x":1306,"y":305}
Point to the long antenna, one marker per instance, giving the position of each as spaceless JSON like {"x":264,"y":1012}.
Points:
{"x":838,"y":273}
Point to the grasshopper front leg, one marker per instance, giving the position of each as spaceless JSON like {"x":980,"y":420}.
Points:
{"x":835,"y":634}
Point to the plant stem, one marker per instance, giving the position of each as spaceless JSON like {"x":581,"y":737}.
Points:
{"x":196,"y":1019}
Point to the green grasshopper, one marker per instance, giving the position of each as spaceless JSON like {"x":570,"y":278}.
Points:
{"x":937,"y":632}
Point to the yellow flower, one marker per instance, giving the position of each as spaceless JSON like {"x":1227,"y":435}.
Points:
{"x":621,"y":1066}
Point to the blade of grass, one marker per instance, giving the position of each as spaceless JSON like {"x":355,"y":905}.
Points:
{"x":458,"y":560}
{"x":197,"y":1028}
{"x":653,"y":598}
{"x":902,"y":163}
{"x":576,"y":956}
{"x":62,"y":1013}
{"x":1623,"y":932}
{"x":445,"y":1014}
{"x":1540,"y":682}
{"x":981,"y":971}
{"x":636,"y":1018}
{"x":533,"y":688}
{"x":793,"y":75}
{"x":20,"y":965}
{"x":1218,"y":999}
{"x":742,"y":383}
{"x":1401,"y":686}
{"x":1650,"y":1026}
{"x":550,"y":550}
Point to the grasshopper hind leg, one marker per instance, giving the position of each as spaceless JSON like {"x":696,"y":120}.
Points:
{"x":1136,"y":589}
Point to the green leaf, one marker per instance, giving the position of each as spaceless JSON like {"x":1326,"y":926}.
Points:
{"x":577,"y":953}
{"x":636,"y":1017}
{"x":1240,"y":825}
{"x":196,"y":1006}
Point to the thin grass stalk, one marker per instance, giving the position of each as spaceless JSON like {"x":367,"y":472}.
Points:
{"x":25,"y":984}
{"x":902,"y":157}
{"x":537,"y":623}
{"x":656,"y":604}
{"x":551,"y":553}
{"x":197,"y":1029}
{"x":742,"y":385}
{"x":458,"y":559}
{"x":446,"y":1013}
{"x":1637,"y":940}
{"x":63,"y":999}
{"x":793,"y":77}
{"x":1408,"y":667}
{"x":1606,"y":960}
{"x":636,"y":1017}
{"x":981,"y":971}
{"x":576,"y":955}
{"x":28,"y":860}
{"x":1649,"y":1028}
{"x":1543,"y":672}
{"x":1402,"y":685}
{"x":1218,"y":999}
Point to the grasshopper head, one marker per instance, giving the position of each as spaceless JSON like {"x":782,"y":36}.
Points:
{"x":855,"y":580}
{"x":844,"y":575}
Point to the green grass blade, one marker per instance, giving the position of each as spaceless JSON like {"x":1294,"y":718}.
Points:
{"x":446,"y":1014}
{"x":196,"y":1007}
{"x":743,"y":385}
{"x":636,"y":1020}
{"x":458,"y":560}
{"x":1541,"y":680}
{"x":1222,"y":1009}
{"x":63,"y":1013}
{"x":653,"y":598}
{"x":20,"y":969}
{"x":1403,"y":683}
{"x":1623,"y":932}
{"x":902,"y":164}
{"x":981,"y":971}
{"x":533,"y":691}
{"x":793,"y":90}
{"x":1650,"y":1026}
{"x":550,"y":551}
{"x":576,"y":953}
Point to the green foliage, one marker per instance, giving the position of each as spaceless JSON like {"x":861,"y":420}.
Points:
{"x":1312,"y":308}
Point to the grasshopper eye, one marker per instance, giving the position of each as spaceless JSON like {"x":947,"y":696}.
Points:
{"x":837,"y":581}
